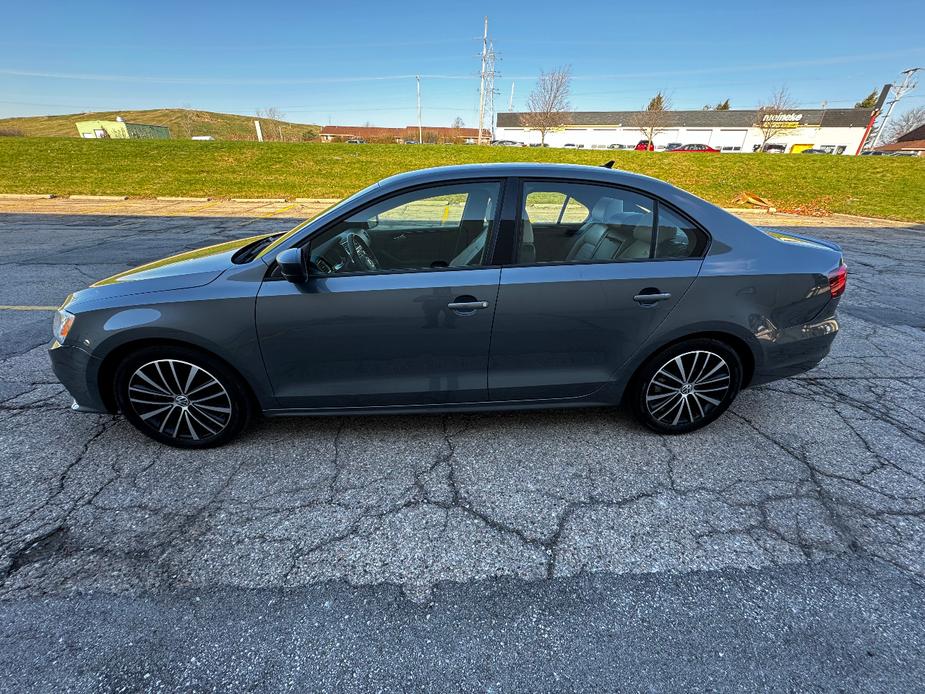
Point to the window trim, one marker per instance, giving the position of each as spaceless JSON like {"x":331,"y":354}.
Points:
{"x":493,"y":230}
{"x":518,"y":228}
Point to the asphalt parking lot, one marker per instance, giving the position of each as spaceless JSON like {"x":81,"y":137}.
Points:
{"x":785,"y":543}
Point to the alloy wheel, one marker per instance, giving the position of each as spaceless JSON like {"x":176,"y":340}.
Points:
{"x":688,"y":387}
{"x":179,"y":399}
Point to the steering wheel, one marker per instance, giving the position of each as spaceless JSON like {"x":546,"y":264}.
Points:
{"x":361,"y":253}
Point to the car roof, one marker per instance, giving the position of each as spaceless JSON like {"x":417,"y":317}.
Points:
{"x":520,"y":169}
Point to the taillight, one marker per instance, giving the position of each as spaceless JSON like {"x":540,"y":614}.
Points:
{"x":838,"y":278}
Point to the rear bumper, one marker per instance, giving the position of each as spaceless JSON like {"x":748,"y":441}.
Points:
{"x":77,"y":370}
{"x":795,"y":350}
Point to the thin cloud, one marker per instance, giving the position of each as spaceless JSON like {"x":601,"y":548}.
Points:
{"x":231,"y":81}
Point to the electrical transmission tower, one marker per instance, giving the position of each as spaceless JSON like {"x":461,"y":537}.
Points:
{"x":899,"y":90}
{"x":490,"y":89}
{"x":487,"y":84}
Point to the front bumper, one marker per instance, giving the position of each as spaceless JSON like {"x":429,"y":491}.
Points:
{"x":78,"y":371}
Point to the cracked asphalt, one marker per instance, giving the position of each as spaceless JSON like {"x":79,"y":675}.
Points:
{"x":810,"y":490}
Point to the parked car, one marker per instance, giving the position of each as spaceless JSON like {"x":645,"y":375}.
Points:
{"x":644,"y":146}
{"x":904,"y":154}
{"x":672,"y":145}
{"x":385,"y":303}
{"x":356,"y":141}
{"x":772,"y":148}
{"x":815,"y":150}
{"x":538,"y":144}
{"x":694,"y":148}
{"x":507,"y":143}
{"x":572,"y":145}
{"x":616,"y":146}
{"x":873,"y":153}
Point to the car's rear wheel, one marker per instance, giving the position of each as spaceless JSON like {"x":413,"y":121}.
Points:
{"x":181,"y":397}
{"x":686,"y":386}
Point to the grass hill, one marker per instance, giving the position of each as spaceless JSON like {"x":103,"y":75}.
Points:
{"x":183,"y":124}
{"x":890,"y":187}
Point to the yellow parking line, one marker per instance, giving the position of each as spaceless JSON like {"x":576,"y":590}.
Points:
{"x":28,"y":308}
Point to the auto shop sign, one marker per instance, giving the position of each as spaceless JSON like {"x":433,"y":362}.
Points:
{"x":782,"y":120}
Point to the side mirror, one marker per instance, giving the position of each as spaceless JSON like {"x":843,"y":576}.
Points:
{"x":292,"y":265}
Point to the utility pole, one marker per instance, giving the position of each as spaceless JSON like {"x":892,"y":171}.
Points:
{"x":482,"y":80}
{"x":908,"y":84}
{"x":510,"y":101}
{"x":420,"y":130}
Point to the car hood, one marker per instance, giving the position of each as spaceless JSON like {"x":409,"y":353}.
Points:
{"x":183,"y":271}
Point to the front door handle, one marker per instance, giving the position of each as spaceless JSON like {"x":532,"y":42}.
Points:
{"x":467,"y":305}
{"x":651,"y":298}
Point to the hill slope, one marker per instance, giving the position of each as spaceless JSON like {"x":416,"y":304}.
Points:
{"x":887,"y":187}
{"x":182,"y":122}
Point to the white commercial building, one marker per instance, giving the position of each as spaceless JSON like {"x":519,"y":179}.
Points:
{"x":836,"y":130}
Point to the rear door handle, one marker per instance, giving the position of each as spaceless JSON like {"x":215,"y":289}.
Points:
{"x":651,"y":298}
{"x":467,"y":305}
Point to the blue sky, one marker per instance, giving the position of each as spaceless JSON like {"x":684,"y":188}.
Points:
{"x":349,"y":63}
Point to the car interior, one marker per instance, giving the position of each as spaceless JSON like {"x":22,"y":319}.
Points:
{"x":616,"y":226}
{"x":448,"y":227}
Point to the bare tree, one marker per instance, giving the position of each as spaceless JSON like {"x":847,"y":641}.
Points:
{"x":276,"y":117}
{"x":903,"y":123}
{"x":548,"y":105}
{"x":654,"y":118}
{"x":774,"y":116}
{"x":458,"y":123}
{"x":186,"y":121}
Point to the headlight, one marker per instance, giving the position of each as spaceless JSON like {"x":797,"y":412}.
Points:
{"x":62,"y":324}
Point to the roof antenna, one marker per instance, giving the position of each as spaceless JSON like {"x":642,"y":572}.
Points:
{"x":609,"y":165}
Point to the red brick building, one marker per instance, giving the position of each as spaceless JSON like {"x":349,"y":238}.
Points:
{"x":431,"y":134}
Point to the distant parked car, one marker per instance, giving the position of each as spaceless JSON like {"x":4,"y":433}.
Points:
{"x":571,"y":145}
{"x":644,"y":146}
{"x":904,"y":154}
{"x":775,"y":149}
{"x":672,"y":146}
{"x":873,"y":153}
{"x":693,"y":148}
{"x":538,"y":144}
{"x":356,"y":141}
{"x":507,"y":143}
{"x":616,"y":146}
{"x":815,"y":150}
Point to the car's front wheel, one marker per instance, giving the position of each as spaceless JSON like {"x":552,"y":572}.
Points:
{"x":686,"y":386}
{"x":181,"y":397}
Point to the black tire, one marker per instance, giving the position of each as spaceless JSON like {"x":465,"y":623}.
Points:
{"x":685,"y":386}
{"x":219,"y":413}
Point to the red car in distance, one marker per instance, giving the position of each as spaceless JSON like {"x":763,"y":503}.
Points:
{"x":694,"y":148}
{"x":644,"y":146}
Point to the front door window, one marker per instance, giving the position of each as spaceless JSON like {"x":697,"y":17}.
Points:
{"x":438,"y":227}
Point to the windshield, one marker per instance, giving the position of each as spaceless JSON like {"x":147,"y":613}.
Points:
{"x":296,"y":229}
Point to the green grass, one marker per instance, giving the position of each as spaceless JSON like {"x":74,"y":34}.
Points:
{"x":182,"y":123}
{"x":892,"y":188}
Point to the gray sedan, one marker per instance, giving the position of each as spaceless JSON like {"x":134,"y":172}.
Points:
{"x":509,"y":286}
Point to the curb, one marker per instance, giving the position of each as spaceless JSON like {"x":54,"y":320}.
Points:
{"x":26,"y":196}
{"x":166,"y":198}
{"x":320,"y":201}
{"x":97,"y":197}
{"x":258,"y":200}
